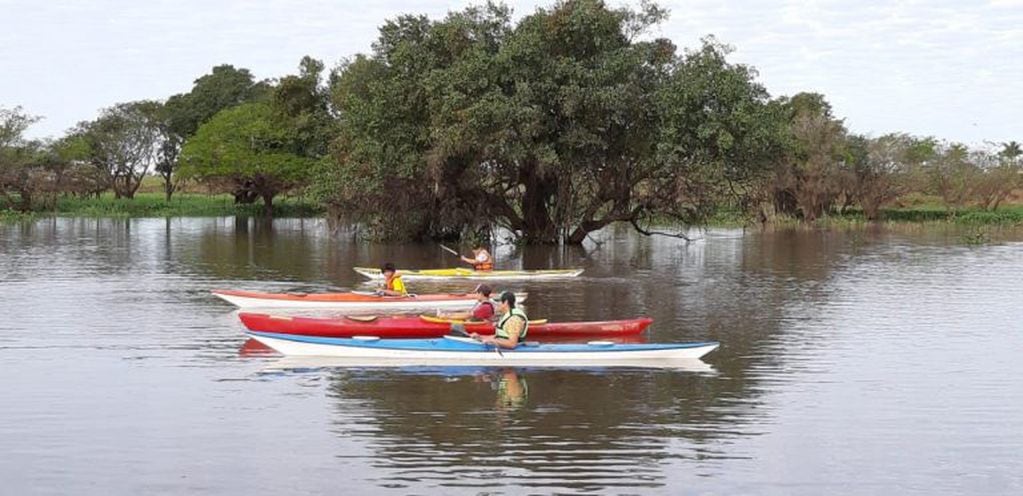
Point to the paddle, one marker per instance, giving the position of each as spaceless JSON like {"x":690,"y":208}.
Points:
{"x":462,"y":334}
{"x":453,"y":252}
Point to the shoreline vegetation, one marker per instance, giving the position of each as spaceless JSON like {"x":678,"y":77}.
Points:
{"x":550,"y":126}
{"x":153,"y":204}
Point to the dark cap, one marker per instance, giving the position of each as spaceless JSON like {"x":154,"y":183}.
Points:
{"x":483,"y":289}
{"x":388,"y":267}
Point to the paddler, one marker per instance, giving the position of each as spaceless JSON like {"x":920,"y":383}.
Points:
{"x":511,"y":328}
{"x":393,"y":285}
{"x":483,"y":311}
{"x":481,"y":260}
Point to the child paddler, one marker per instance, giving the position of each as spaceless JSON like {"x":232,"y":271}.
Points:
{"x":393,"y":285}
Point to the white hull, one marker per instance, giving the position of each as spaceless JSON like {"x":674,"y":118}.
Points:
{"x":409,"y":304}
{"x":305,"y":363}
{"x":506,"y":357}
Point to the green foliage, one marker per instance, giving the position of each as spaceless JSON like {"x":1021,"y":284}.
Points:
{"x":123,"y":143}
{"x":224,"y":87}
{"x":8,"y":215}
{"x":19,"y":159}
{"x":552,"y":128}
{"x":244,"y":147}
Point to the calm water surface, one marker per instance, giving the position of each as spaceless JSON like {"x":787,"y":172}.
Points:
{"x":867,"y":362}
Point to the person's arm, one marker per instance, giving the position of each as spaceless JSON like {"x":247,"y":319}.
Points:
{"x":468,"y":260}
{"x":514,"y":329}
{"x":399,"y":289}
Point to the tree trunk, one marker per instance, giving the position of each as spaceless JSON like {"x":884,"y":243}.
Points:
{"x":268,"y":203}
{"x":168,"y":187}
{"x":871,"y":209}
{"x":25,"y":205}
{"x":537,"y":225}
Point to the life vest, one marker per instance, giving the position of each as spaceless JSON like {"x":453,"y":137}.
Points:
{"x":395,"y":284}
{"x":485,"y":265}
{"x":499,"y":331}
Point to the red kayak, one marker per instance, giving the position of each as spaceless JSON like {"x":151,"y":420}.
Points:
{"x":427,"y":327}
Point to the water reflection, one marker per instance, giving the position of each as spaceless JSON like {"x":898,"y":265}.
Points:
{"x":841,"y":352}
{"x":515,"y":428}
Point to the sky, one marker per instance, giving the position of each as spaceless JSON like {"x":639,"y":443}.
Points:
{"x":949,"y":69}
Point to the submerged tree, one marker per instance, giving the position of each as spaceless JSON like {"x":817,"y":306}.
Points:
{"x":552,"y":128}
{"x":809,"y":180}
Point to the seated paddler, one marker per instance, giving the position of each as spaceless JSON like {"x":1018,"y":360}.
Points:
{"x":485,"y":309}
{"x":481,"y":260}
{"x":511,"y":327}
{"x":393,"y":285}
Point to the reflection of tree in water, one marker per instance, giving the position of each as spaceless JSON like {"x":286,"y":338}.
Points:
{"x":574,"y":429}
{"x":258,"y":248}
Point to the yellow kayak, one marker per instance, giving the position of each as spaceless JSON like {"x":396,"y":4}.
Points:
{"x":460,"y":273}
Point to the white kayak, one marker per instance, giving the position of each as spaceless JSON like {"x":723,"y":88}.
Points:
{"x":424,"y":366}
{"x":348,"y":301}
{"x":467,"y":351}
{"x":463,"y":273}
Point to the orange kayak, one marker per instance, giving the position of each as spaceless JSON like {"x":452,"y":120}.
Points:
{"x":347,"y":301}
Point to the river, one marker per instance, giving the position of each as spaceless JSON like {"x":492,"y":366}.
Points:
{"x":874,"y":361}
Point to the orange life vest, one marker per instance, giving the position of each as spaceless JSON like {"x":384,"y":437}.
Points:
{"x":485,"y":265}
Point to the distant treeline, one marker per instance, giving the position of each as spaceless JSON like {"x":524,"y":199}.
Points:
{"x":553,"y":127}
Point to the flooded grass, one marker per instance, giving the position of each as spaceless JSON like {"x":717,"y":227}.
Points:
{"x":180,"y":205}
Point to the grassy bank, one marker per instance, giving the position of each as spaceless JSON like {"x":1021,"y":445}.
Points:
{"x":151,"y":203}
{"x":180,"y":205}
{"x":920,"y":214}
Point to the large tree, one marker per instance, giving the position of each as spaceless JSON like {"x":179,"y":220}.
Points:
{"x":810,"y":178}
{"x":224,"y":87}
{"x":124,"y":143}
{"x":552,"y":128}
{"x":244,"y":147}
{"x":17,"y":155}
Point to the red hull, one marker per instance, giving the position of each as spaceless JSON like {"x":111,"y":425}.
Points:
{"x":414,"y":327}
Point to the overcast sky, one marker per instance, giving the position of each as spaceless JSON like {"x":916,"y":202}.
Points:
{"x":951,"y":69}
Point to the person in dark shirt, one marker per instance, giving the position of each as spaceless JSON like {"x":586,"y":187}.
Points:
{"x":483,"y":311}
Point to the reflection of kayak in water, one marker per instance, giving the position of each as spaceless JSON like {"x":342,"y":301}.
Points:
{"x":458,"y":350}
{"x":462,"y":273}
{"x":252,"y":347}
